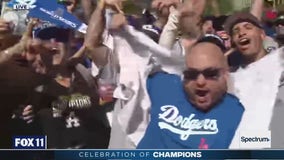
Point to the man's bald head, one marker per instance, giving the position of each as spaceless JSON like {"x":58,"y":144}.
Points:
{"x":204,"y":54}
{"x":205,"y":79}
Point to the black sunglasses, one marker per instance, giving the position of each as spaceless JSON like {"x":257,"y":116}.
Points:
{"x":208,"y":73}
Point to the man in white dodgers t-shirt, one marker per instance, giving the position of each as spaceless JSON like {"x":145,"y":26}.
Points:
{"x":256,"y":80}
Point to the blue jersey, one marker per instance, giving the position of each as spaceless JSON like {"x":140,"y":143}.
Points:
{"x":176,"y":124}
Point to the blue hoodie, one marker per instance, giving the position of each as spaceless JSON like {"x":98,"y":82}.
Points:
{"x":176,"y":124}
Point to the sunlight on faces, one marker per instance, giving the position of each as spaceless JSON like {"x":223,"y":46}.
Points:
{"x":206,"y":89}
{"x":248,"y":39}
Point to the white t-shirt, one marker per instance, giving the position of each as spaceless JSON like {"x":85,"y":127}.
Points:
{"x":256,"y":86}
{"x":138,"y":56}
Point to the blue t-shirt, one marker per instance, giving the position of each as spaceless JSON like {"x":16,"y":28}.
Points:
{"x":176,"y":124}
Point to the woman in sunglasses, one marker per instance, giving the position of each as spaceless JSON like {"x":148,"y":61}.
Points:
{"x":196,"y":112}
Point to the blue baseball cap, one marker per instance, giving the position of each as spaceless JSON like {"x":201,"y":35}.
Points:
{"x":47,"y":31}
{"x":59,"y":34}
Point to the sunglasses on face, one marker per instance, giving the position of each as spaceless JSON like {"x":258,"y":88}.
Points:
{"x":208,"y":73}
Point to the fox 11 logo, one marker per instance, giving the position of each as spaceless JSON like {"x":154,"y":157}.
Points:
{"x":29,"y":142}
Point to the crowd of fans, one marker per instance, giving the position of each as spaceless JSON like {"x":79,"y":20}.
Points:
{"x":168,"y":77}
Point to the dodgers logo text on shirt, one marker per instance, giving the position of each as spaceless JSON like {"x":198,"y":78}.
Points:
{"x":185,"y":126}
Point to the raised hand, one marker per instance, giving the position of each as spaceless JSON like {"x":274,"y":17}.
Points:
{"x":24,"y":112}
{"x":160,"y":4}
{"x":115,"y":4}
{"x":44,"y":54}
{"x":28,"y":115}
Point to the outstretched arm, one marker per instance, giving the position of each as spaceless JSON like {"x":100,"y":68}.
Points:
{"x":19,"y":47}
{"x":94,"y":37}
{"x":198,"y":5}
{"x":170,"y":31}
{"x":215,"y":7}
{"x":87,"y":9}
{"x":257,"y":8}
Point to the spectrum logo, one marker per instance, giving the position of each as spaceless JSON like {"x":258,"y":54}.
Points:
{"x":255,"y":139}
{"x":29,"y":142}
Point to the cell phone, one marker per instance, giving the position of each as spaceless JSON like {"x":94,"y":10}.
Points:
{"x":18,"y":18}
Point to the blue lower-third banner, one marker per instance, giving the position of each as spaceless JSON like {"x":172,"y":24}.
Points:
{"x":168,"y":154}
{"x":139,"y":154}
